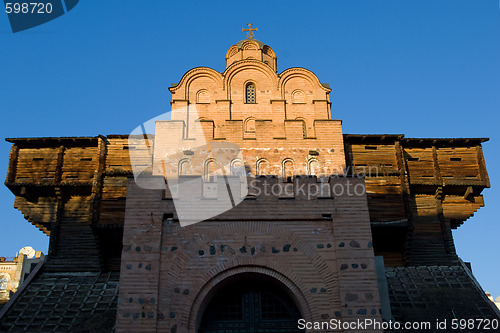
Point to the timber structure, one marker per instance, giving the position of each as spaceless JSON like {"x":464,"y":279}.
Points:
{"x":418,"y":191}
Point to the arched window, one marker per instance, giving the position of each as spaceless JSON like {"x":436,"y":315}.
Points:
{"x":288,"y":171}
{"x":184,"y":168}
{"x":263,"y":168}
{"x":250,"y":125}
{"x":202,"y":96}
{"x":313,"y":167}
{"x":304,"y":130}
{"x":250,"y":93}
{"x":298,"y":97}
{"x":237,"y":168}
{"x":212,"y":170}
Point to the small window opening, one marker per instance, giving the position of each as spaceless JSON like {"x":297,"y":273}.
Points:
{"x":250,"y":93}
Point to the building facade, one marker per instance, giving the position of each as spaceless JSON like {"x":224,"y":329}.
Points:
{"x":496,"y":300}
{"x":14,"y":270}
{"x":126,"y":255}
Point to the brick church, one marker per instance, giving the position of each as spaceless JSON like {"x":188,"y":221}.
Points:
{"x":248,"y":210}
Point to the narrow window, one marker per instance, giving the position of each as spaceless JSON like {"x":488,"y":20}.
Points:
{"x":313,"y":167}
{"x":237,"y":168}
{"x":263,"y":168}
{"x":250,"y":94}
{"x":212,"y":170}
{"x":288,"y":171}
{"x":249,"y":125}
{"x":304,"y":133}
{"x":184,"y":168}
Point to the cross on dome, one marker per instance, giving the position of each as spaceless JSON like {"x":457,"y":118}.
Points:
{"x":250,"y":34}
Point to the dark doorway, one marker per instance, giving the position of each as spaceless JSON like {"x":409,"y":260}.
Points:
{"x":250,"y":306}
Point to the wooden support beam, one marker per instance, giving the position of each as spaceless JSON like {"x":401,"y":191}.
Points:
{"x":60,"y":160}
{"x":469,"y":193}
{"x":405,"y":186}
{"x":97,"y":182}
{"x":348,"y":157}
{"x":445,"y":225}
{"x":483,"y":174}
{"x":403,"y":174}
{"x":437,"y":171}
{"x":439,"y":196}
{"x":14,"y":154}
{"x":54,"y":225}
{"x":24,"y":192}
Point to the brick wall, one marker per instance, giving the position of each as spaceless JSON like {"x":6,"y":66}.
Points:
{"x":318,"y":247}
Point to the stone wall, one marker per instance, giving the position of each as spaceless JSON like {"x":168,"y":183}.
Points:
{"x":319,"y":248}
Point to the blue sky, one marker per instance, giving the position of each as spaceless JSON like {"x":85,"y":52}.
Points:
{"x":420,"y":68}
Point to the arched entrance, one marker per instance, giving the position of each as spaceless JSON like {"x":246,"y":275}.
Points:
{"x":250,"y":303}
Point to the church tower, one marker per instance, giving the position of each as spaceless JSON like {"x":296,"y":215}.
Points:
{"x":280,"y":121}
{"x":256,"y":165}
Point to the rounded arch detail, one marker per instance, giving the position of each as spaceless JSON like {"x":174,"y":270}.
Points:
{"x":298,"y":96}
{"x":291,"y":73}
{"x":202,"y":96}
{"x":269,"y":51}
{"x":262,"y":167}
{"x":313,"y":166}
{"x":232,"y":51}
{"x":212,"y":168}
{"x":237,"y":167}
{"x":249,"y":124}
{"x":239,"y":66}
{"x":250,"y":45}
{"x":217,"y":282}
{"x":195,"y":73}
{"x":288,"y":169}
{"x":184,"y":167}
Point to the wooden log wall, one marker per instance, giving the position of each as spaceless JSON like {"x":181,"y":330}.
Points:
{"x":74,"y":190}
{"x":459,"y":164}
{"x":79,"y":163}
{"x":36,"y":165}
{"x":433,"y":185}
